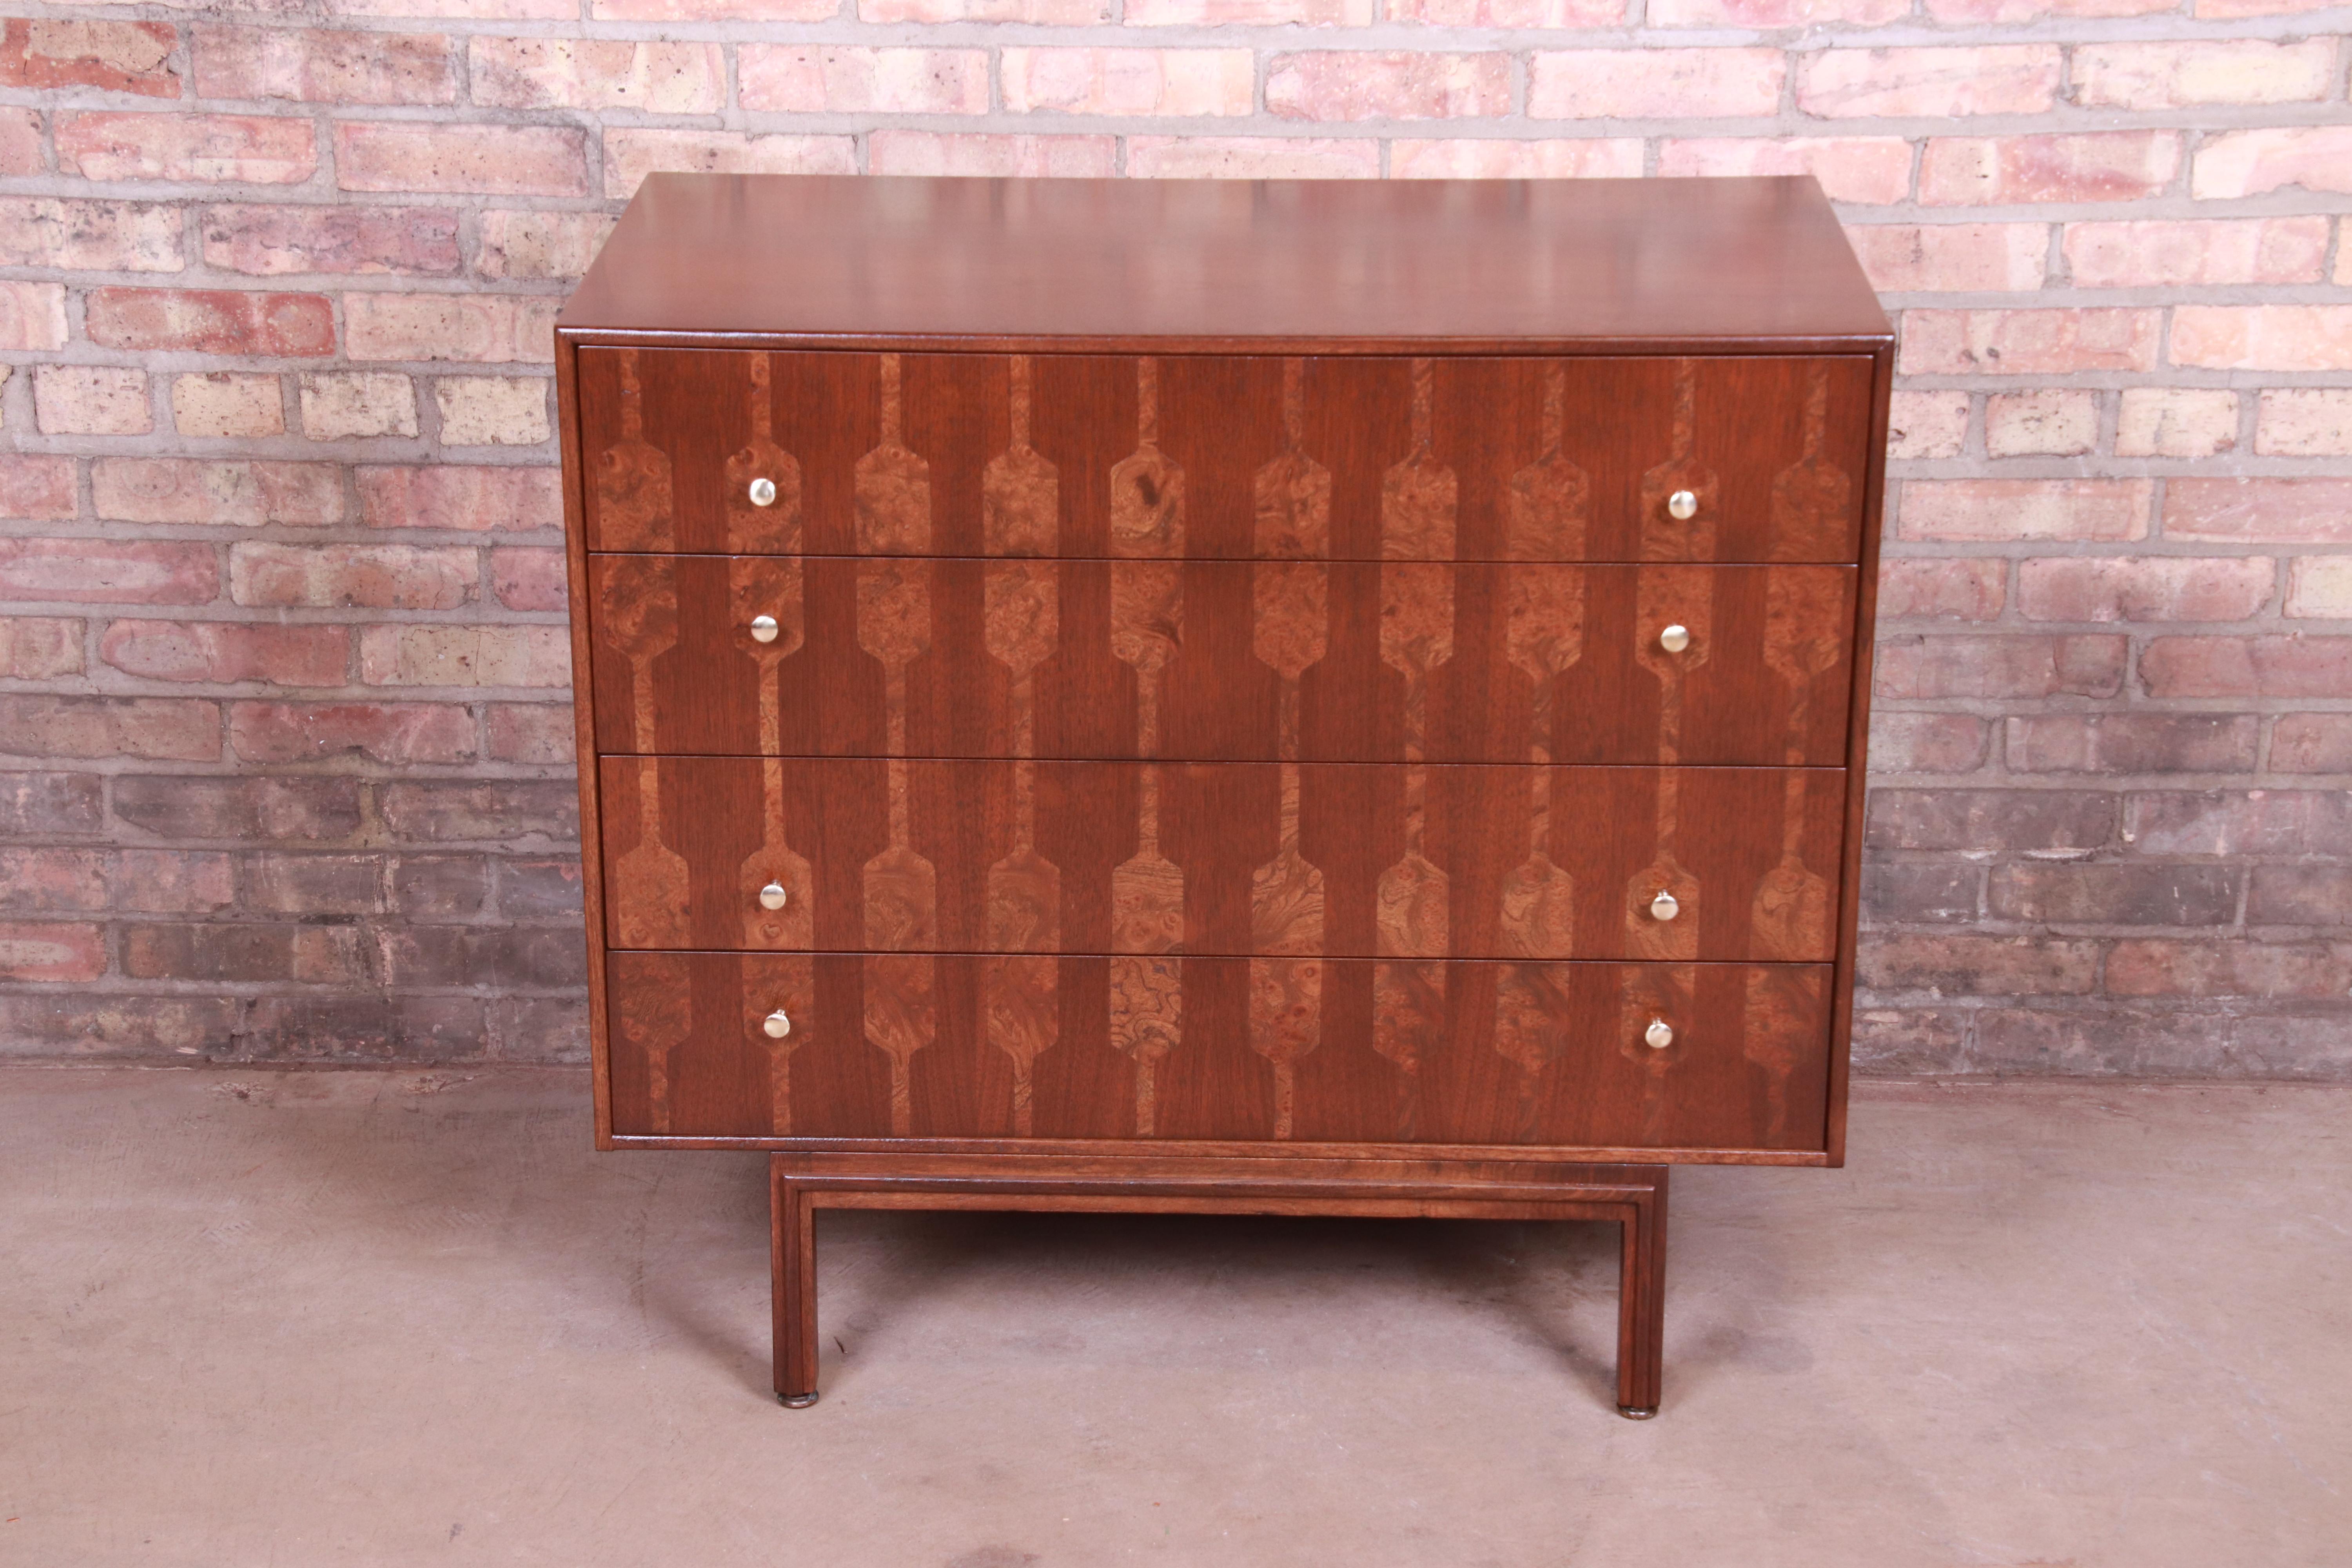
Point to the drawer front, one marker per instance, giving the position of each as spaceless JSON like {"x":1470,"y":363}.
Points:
{"x":1339,"y":457}
{"x":1215,"y":660}
{"x":1360,"y":860}
{"x":916,"y":1045}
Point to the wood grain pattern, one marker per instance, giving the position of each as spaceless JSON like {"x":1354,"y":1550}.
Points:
{"x":1230,"y":458}
{"x":903,"y":1046}
{"x":1217,"y":825}
{"x":1198,"y":658}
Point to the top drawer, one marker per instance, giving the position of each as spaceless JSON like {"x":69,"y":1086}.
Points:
{"x":1234,"y":457}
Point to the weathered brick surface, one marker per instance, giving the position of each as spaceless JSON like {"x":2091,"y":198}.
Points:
{"x":287,"y":740}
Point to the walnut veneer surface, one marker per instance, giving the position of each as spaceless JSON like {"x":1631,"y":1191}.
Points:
{"x":1212,"y":697}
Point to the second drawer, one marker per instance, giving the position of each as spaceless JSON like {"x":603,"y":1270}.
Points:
{"x":1334,"y":859}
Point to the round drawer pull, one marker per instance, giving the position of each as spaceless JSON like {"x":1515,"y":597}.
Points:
{"x":1657,"y":1036}
{"x":777,"y":1024}
{"x":1675,"y":638}
{"x":764,"y":628}
{"x":1682,"y":506}
{"x":1665,"y":907}
{"x":763,"y":493}
{"x":772,"y":896}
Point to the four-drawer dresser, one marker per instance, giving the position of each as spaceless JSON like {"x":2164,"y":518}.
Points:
{"x":1276,"y":697}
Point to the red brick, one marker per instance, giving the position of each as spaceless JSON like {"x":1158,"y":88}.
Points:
{"x":109,"y":572}
{"x":630,"y":155}
{"x":463,"y":10}
{"x":1768,"y":13}
{"x":2237,"y":822}
{"x":1109,"y":81}
{"x":372,"y":577}
{"x":932,"y":153}
{"x":1926,"y":742}
{"x":529,"y":579}
{"x":2115,"y":894}
{"x":2255,"y":162}
{"x":490,"y":160}
{"x":477,"y":500}
{"x":2028,"y":342}
{"x":227,"y":404}
{"x":2299,"y":896}
{"x":1979,"y":965}
{"x":238,"y":808}
{"x":298,"y":884}
{"x":89,"y":236}
{"x":180,"y":882}
{"x":2176,"y":422}
{"x":1927,"y":425}
{"x":181,"y":729}
{"x":2169,"y":254}
{"x":2273,"y":971}
{"x":51,"y":951}
{"x":508,"y":813}
{"x":1490,"y":158}
{"x":2144,"y":588}
{"x":538,"y":732}
{"x":51,"y":881}
{"x":2263,"y":337}
{"x":2232,"y":8}
{"x":483,"y":328}
{"x":92,"y":400}
{"x":2304,"y":422}
{"x":539,"y":243}
{"x":2259,"y":511}
{"x":2319,"y":587}
{"x":345,"y":404}
{"x":269,"y":241}
{"x":2015,"y":79}
{"x":1972,"y":257}
{"x":2094,"y":166}
{"x":2212,"y":70}
{"x":2312,"y":744}
{"x":1931,"y":667}
{"x":39,"y":647}
{"x":1941,"y":589}
{"x":431,"y":655}
{"x":112,"y":56}
{"x":2029,"y":10}
{"x":1871,"y":171}
{"x":2291,"y":666}
{"x":743,"y":11}
{"x":492,"y":410}
{"x":195,"y":489}
{"x":247,"y":149}
{"x":1398,"y":84}
{"x":2001,"y":820}
{"x":32,"y":316}
{"x":2046,"y":421}
{"x":582,"y":73}
{"x":397,"y":733}
{"x":2025,"y":508}
{"x":1174,"y":13}
{"x":315,"y":64}
{"x":1507,"y":12}
{"x":1642,"y":84}
{"x":228,"y":651}
{"x":20,"y":142}
{"x":1250,"y":158}
{"x":36,"y":487}
{"x":243,"y":952}
{"x":213,"y":321}
{"x":2113,"y":744}
{"x":811,"y":80}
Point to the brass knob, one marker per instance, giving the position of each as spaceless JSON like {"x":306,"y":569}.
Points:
{"x":763,"y":493}
{"x":764,"y":628}
{"x":772,"y":896}
{"x":1665,"y":907}
{"x":1675,"y":638}
{"x":1682,"y":506}
{"x":1657,"y":1036}
{"x":776,"y":1025}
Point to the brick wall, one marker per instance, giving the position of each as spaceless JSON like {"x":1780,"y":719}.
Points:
{"x":283,"y":722}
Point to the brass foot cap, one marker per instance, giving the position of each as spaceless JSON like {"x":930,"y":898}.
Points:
{"x":1635,"y":1412}
{"x":796,"y":1401}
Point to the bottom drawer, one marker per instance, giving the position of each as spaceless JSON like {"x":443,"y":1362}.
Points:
{"x":878,"y":1046}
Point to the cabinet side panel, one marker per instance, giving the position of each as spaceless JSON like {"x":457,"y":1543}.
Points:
{"x":583,"y":719}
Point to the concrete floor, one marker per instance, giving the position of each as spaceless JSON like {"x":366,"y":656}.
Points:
{"x":297,"y":1319}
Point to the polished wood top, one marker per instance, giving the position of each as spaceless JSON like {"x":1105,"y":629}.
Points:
{"x":1267,"y":265}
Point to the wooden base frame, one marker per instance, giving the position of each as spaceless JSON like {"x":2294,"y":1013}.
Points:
{"x":1632,"y":1195}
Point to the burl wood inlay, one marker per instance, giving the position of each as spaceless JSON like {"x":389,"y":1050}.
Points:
{"x":1021,"y":1002}
{"x":640,"y":616}
{"x":1146,"y":1023}
{"x":893,"y":485}
{"x":1409,"y":1024}
{"x":1803,"y":639}
{"x":768,"y":587}
{"x":1543,"y":634}
{"x":633,"y":479}
{"x":1666,"y":537}
{"x":1551,"y":498}
{"x":1416,"y":636}
{"x":894,"y":624}
{"x":653,"y":1018}
{"x":1024,"y":889}
{"x":1289,"y":633}
{"x":1669,"y":595}
{"x":901,"y":1018}
{"x":1667,"y":992}
{"x":776,"y":526}
{"x":1147,"y":894}
{"x":1286,"y":1023}
{"x":1812,"y":497}
{"x":1020,"y":493}
{"x":785,"y":985}
{"x":1146,"y":487}
{"x":1292,"y":494}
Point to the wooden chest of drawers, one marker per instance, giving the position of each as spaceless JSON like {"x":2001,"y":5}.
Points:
{"x":1289,"y":697}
